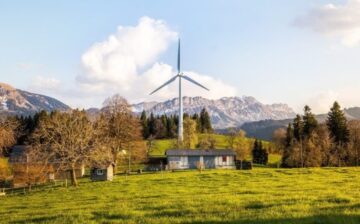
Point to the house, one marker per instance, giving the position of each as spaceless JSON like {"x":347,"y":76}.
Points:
{"x":26,"y":171}
{"x":207,"y":158}
{"x":101,"y":173}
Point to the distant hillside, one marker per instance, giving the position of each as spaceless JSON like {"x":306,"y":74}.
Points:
{"x":18,"y":102}
{"x":225,"y":112}
{"x":265,"y":128}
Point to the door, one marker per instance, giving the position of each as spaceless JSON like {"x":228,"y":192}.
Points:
{"x":209,"y":162}
{"x":193,"y":160}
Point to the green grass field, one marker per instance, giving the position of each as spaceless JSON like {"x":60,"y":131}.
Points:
{"x":261,"y":195}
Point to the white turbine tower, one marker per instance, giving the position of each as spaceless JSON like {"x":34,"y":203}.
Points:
{"x":179,"y":75}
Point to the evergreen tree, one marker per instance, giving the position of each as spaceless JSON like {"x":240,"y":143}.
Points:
{"x":298,"y":126}
{"x":289,"y":136}
{"x":339,"y":132}
{"x":309,"y":122}
{"x":260,"y":154}
{"x":205,"y":121}
{"x":170,"y":127}
{"x":151,"y":125}
{"x":337,"y":125}
{"x":145,"y":126}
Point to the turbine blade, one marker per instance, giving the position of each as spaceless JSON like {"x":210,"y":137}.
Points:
{"x":178,"y":61}
{"x":193,"y":81}
{"x":166,"y":83}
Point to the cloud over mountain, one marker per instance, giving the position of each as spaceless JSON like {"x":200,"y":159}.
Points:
{"x":127,"y":63}
{"x":341,"y":21}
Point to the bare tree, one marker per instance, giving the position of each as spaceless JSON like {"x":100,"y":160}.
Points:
{"x":116,"y":104}
{"x":207,"y":142}
{"x":241,"y":146}
{"x":354,"y":147}
{"x":7,"y":134}
{"x":279,"y":139}
{"x":65,"y":140}
{"x":232,"y":134}
{"x":119,"y":128}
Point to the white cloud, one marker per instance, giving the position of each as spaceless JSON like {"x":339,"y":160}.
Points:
{"x":322,"y":101}
{"x":128,"y":63}
{"x":45,"y":83}
{"x":341,"y":21}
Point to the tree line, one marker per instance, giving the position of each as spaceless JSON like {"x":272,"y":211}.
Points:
{"x":308,"y":143}
{"x":165,"y":126}
{"x":70,"y":139}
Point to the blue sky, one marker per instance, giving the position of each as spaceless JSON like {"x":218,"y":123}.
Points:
{"x":295,"y":52}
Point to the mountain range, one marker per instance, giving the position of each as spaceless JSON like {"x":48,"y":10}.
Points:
{"x":257,"y":119}
{"x":224,"y":112}
{"x":265,"y":128}
{"x":18,"y":102}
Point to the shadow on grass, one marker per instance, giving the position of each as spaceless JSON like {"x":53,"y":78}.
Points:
{"x":100,"y":216}
{"x":317,"y":219}
{"x":46,"y":219}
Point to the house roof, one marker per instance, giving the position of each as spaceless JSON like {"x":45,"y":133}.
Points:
{"x":18,"y":153}
{"x":103,"y":165}
{"x":200,"y":152}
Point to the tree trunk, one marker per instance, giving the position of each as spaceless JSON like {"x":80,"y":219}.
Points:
{"x":115,"y":155}
{"x":73,"y":177}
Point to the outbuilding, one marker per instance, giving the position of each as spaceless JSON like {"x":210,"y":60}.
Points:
{"x":103,"y":173}
{"x":24,"y":169}
{"x":207,"y":158}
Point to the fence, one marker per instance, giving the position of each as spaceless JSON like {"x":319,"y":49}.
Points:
{"x":33,"y":188}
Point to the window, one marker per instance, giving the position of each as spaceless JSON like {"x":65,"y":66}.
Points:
{"x":99,"y":172}
{"x":224,"y":159}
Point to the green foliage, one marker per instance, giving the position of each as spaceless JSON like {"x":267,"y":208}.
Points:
{"x":164,"y":126}
{"x":310,"y":122}
{"x":258,"y":196}
{"x":259,"y":153}
{"x":337,"y":125}
{"x":205,"y":122}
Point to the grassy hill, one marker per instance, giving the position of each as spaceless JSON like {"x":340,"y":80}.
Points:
{"x":160,"y":147}
{"x":319,"y":195}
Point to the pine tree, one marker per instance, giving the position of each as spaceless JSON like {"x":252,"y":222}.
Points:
{"x":309,"y":122}
{"x":151,"y":124}
{"x":205,"y":121}
{"x":256,"y":152}
{"x":339,"y":132}
{"x":145,"y":126}
{"x":259,"y":153}
{"x":170,"y":127}
{"x":289,"y":136}
{"x":298,"y":126}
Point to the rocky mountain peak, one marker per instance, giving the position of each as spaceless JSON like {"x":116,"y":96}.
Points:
{"x":224,"y":112}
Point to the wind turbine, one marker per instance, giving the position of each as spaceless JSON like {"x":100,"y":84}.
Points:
{"x":181,"y":76}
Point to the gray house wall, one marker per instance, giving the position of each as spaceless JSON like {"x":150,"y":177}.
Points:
{"x":210,"y":162}
{"x":107,"y":174}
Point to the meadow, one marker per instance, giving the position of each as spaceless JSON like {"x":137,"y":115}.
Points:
{"x":261,"y":195}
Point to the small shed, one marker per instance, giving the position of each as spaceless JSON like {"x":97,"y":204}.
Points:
{"x":208,"y":158}
{"x":103,"y":173}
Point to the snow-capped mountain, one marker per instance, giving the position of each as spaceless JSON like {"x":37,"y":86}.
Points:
{"x":18,"y":102}
{"x":224,"y":112}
